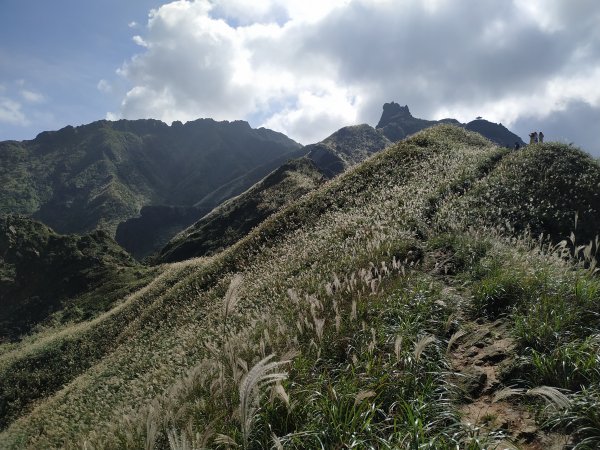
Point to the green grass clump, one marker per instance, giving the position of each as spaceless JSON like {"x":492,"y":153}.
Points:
{"x":541,"y":189}
{"x":572,"y":366}
{"x":581,"y":418}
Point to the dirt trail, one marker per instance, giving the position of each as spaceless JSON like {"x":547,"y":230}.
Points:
{"x":481,"y":358}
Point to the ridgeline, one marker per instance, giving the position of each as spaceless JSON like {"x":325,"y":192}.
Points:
{"x":409,"y":302}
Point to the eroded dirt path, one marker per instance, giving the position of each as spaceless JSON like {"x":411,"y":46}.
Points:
{"x":483,"y":358}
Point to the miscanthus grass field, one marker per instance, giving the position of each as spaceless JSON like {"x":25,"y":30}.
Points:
{"x":334,"y":323}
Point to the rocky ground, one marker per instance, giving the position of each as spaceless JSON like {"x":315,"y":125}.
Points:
{"x":483,"y":359}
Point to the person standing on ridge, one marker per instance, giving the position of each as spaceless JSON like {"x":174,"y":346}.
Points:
{"x":540,"y":137}
{"x":533,"y":137}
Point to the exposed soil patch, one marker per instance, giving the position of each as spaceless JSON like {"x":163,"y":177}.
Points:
{"x":478,"y":358}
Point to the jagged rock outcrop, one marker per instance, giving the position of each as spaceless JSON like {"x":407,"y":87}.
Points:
{"x":397,"y":123}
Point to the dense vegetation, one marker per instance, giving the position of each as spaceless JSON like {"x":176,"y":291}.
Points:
{"x":42,"y":272}
{"x":367,"y":313}
{"x":95,"y":176}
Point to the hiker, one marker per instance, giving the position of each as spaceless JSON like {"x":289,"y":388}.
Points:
{"x":533,"y":137}
{"x":540,"y":137}
{"x":517,"y":145}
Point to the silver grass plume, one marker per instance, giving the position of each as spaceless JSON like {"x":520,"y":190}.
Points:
{"x":262,"y":374}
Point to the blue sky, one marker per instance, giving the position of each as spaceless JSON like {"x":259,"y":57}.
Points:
{"x":303,"y":67}
{"x":53,"y":54}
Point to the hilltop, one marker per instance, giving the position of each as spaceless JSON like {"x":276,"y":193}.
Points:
{"x":401,"y":304}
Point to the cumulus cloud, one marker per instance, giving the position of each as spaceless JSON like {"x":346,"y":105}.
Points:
{"x":308,"y":67}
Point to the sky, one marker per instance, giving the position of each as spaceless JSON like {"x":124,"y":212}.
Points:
{"x":302,"y":67}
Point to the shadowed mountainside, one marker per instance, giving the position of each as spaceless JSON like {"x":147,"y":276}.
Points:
{"x":157,"y":224}
{"x":42,"y":272}
{"x":372,"y":300}
{"x":95,"y":176}
{"x":232,"y":220}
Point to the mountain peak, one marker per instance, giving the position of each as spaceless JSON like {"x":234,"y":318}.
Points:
{"x":398,"y":123}
{"x":391,"y":112}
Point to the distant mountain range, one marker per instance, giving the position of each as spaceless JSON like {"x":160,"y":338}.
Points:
{"x":345,"y":148}
{"x":143,"y":181}
{"x":95,"y":176}
{"x":397,"y":123}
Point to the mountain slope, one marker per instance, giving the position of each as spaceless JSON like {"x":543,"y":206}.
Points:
{"x":157,"y":224}
{"x":345,"y":148}
{"x":362,"y":288}
{"x":232,"y":220}
{"x":97,"y":175}
{"x":42,"y":272}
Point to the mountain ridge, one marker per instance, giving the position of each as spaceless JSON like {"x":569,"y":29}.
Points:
{"x":358,"y":294}
{"x":97,"y":175}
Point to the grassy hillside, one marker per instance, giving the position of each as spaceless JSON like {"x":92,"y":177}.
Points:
{"x":94,"y":176}
{"x":232,"y":220}
{"x":227,"y":223}
{"x":368,"y":313}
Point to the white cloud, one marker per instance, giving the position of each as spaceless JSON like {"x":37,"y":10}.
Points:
{"x":11,"y":112}
{"x":308,"y":67}
{"x":104,"y":86}
{"x":314,"y":116}
{"x":31,"y":96}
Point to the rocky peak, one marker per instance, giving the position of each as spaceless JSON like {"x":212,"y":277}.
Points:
{"x":393,"y":112}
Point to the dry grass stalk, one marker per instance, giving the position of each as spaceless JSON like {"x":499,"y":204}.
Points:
{"x":398,"y":347}
{"x":260,"y":375}
{"x":363,"y":395}
{"x":422,"y":344}
{"x":455,"y":337}
{"x":552,"y":395}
